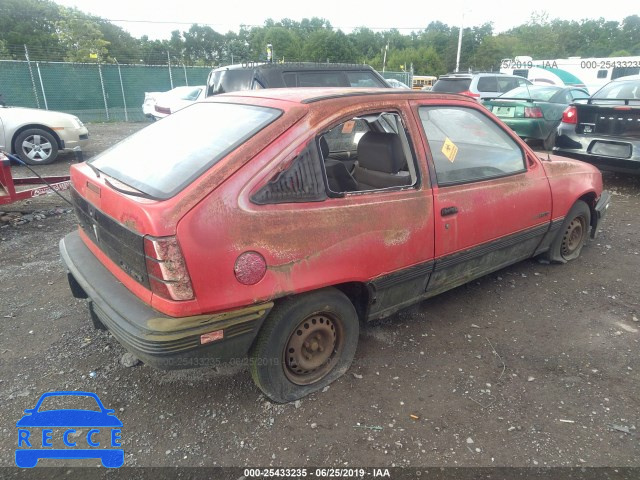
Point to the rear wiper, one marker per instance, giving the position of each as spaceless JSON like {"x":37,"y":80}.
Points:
{"x":133,"y":193}
{"x":95,"y":169}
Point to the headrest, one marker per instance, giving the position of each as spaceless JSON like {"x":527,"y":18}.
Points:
{"x":381,"y":152}
{"x":324,"y":148}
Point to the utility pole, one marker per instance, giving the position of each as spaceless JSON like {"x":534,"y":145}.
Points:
{"x":459,"y":43}
{"x":384,"y":60}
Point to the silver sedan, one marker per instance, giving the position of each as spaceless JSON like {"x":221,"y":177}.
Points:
{"x":37,"y":136}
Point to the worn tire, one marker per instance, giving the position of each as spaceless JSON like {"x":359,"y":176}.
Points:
{"x":36,"y":147}
{"x":572,"y":236}
{"x":306,"y":342}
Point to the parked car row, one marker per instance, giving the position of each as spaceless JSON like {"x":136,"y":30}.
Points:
{"x":158,"y":105}
{"x":603,"y":129}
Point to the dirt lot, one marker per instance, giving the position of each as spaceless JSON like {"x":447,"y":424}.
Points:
{"x":535,"y":365}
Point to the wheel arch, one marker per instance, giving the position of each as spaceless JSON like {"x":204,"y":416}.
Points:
{"x":590,"y":198}
{"x":359,"y":295}
{"x":38,"y":126}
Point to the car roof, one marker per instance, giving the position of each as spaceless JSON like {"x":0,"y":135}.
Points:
{"x":475,"y":74}
{"x":296,"y":66}
{"x":305,"y":95}
{"x":628,"y":77}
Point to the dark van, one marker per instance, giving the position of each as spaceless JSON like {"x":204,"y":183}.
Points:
{"x":252,"y":76}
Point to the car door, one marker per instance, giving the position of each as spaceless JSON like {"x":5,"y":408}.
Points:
{"x":374,"y":227}
{"x":492,"y":200}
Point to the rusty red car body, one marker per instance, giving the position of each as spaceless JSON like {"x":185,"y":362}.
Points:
{"x":257,"y":257}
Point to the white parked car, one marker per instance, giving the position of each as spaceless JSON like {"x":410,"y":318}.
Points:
{"x":37,"y":136}
{"x":397,"y":83}
{"x":160,"y":104}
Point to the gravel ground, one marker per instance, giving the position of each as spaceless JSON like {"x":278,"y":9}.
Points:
{"x":534,"y":365}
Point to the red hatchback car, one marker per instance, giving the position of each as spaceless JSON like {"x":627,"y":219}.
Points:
{"x":268,"y":224}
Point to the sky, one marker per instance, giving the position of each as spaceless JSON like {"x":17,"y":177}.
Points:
{"x":157,"y":19}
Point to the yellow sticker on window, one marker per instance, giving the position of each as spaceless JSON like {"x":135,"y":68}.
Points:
{"x":449,"y":149}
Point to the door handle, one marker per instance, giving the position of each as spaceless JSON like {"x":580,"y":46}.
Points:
{"x":446,"y":211}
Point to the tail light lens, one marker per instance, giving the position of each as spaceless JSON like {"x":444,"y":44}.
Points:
{"x":533,"y":112}
{"x":469,"y":93}
{"x":168,"y":275}
{"x":165,"y":110}
{"x":570,"y":115}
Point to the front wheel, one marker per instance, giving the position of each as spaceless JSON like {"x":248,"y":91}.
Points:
{"x":307,"y":342}
{"x":36,"y":147}
{"x":572,"y":235}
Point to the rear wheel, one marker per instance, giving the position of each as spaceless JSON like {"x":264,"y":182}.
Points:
{"x":307,"y":342}
{"x":572,"y":235}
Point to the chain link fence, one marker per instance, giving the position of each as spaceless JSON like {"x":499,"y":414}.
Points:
{"x":94,"y":92}
{"x":99,"y":92}
{"x":404,"y":77}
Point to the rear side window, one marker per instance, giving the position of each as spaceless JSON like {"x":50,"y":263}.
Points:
{"x":488,"y":84}
{"x":163,"y":158}
{"x":450,"y":85}
{"x":467,"y":146}
{"x":320,"y":79}
{"x":363,"y":79}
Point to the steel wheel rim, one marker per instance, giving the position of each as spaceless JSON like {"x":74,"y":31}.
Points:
{"x":313,"y":348}
{"x":573,"y":236}
{"x":36,"y":147}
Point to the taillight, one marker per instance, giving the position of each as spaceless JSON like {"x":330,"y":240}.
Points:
{"x":167,"y":270}
{"x":469,"y":93}
{"x":533,"y":112}
{"x":570,"y":115}
{"x":164,"y":110}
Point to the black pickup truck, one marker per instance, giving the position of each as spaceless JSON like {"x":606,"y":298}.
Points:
{"x":605,"y":130}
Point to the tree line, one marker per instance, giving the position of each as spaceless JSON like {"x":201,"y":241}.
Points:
{"x":56,"y":33}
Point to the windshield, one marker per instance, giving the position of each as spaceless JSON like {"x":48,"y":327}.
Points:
{"x":619,"y":90}
{"x":535,"y":93}
{"x":190,"y":93}
{"x":163,"y":158}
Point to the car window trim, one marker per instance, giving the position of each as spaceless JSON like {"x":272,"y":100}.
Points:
{"x":415,"y":185}
{"x":431,"y":164}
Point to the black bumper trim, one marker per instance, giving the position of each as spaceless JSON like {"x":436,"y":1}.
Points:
{"x":157,"y":339}
{"x":600,"y":212}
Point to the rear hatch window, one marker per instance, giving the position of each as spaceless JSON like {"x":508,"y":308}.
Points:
{"x":452,"y":85}
{"x":165,"y":157}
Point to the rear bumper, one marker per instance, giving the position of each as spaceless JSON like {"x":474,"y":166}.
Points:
{"x":158,"y":340}
{"x":538,"y":129}
{"x":621,"y":154}
{"x":75,"y":138}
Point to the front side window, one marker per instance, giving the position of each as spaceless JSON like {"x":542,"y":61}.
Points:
{"x":165,"y":157}
{"x":467,"y":146}
{"x":505,"y":84}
